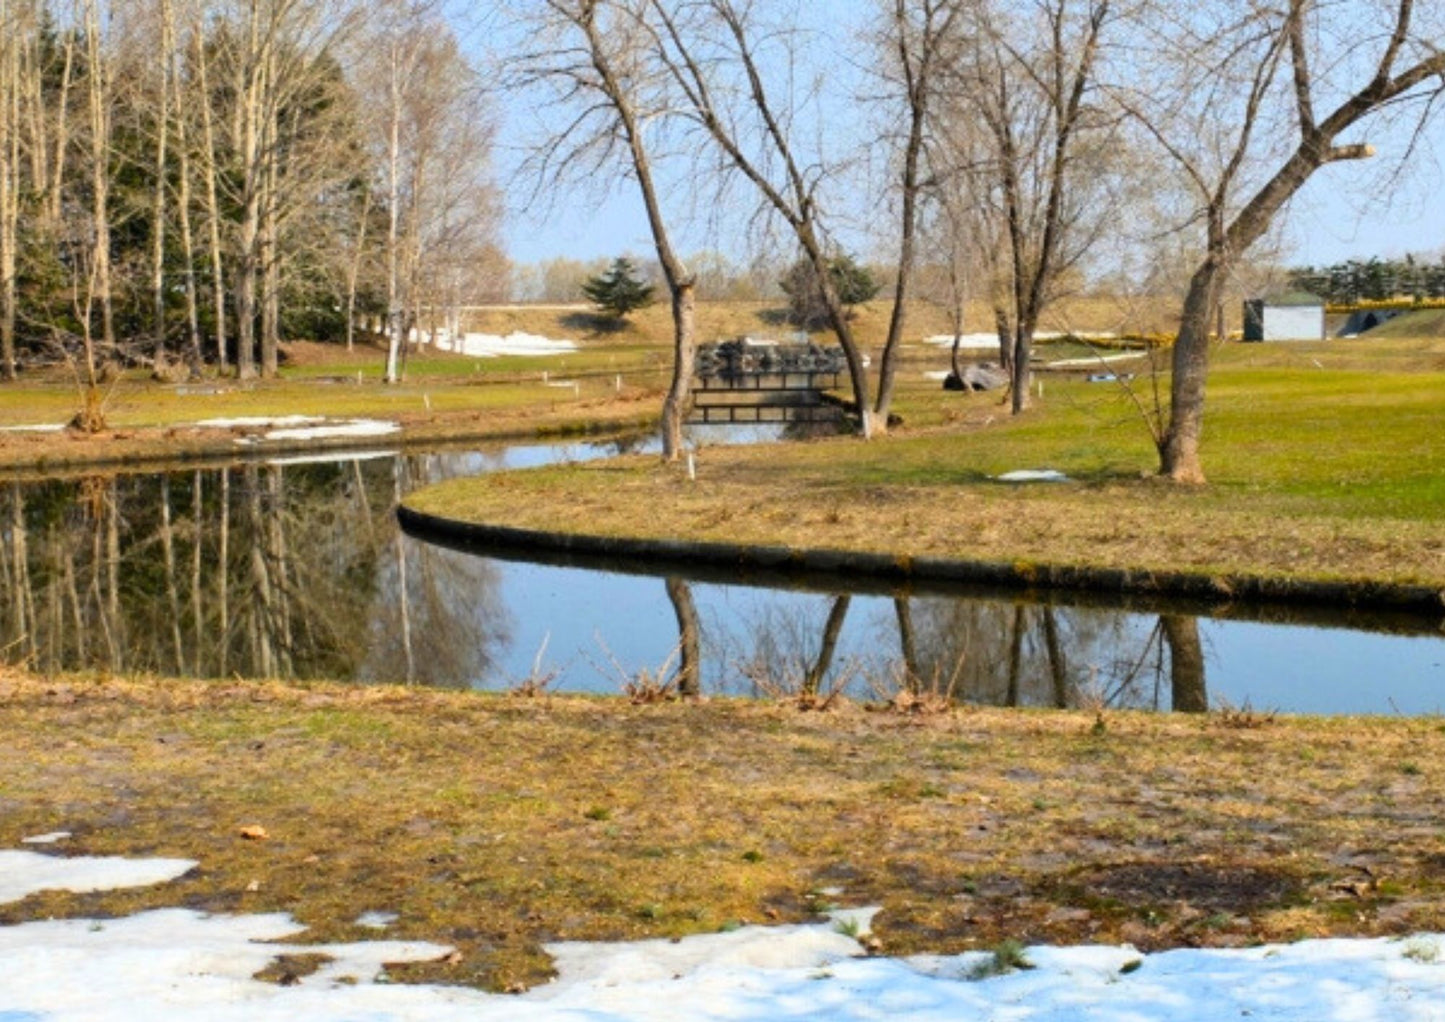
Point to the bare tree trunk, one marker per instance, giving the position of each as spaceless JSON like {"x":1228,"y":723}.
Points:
{"x":908,"y":644}
{"x":1186,"y":664}
{"x":158,"y":211}
{"x":1005,"y":341}
{"x":684,"y":363}
{"x":1016,"y":654}
{"x":813,"y":681}
{"x":1058,"y":669}
{"x":794,"y":200}
{"x":353,"y":272}
{"x":20,"y":626}
{"x":1179,"y":453}
{"x":112,"y":572}
{"x":9,"y":181}
{"x":98,"y":93}
{"x":198,"y":633}
{"x":403,"y":596}
{"x":278,"y":563}
{"x":394,"y":317}
{"x":188,"y":245}
{"x":916,"y":58}
{"x":689,"y":642}
{"x":168,"y":555}
{"x":270,"y":248}
{"x":62,"y":134}
{"x":251,"y":113}
{"x":223,"y":576}
{"x":263,"y":645}
{"x":213,"y":205}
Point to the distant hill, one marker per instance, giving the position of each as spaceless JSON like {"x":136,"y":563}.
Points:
{"x":720,"y":320}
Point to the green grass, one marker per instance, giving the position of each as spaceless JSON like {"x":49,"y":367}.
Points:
{"x":1317,"y":469}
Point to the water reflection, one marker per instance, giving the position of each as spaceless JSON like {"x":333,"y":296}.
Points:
{"x":293,"y":571}
{"x":298,"y":570}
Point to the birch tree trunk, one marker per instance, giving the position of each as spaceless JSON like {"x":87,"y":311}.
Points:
{"x":213,"y":206}
{"x":98,"y":95}
{"x":158,"y":210}
{"x":9,"y":181}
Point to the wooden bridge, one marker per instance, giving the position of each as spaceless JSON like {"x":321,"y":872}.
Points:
{"x":765,"y":381}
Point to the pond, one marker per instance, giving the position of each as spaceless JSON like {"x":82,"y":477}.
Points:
{"x":296,"y":568}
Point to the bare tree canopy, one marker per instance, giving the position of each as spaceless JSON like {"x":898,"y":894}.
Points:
{"x":1247,"y":102}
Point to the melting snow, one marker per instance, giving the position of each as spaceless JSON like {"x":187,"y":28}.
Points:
{"x":54,"y":837}
{"x":495,"y":345}
{"x":301,"y":427}
{"x":1033,"y":475}
{"x":354,"y":427}
{"x":260,"y":422}
{"x":179,"y":964}
{"x":25,"y":873}
{"x":990,"y":340}
{"x":329,"y":458}
{"x":376,"y":920}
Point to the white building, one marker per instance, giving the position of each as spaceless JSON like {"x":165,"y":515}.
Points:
{"x":1287,"y":316}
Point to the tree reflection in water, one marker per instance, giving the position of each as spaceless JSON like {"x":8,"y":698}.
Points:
{"x":989,"y":652}
{"x":259,"y":570}
{"x":299,"y":571}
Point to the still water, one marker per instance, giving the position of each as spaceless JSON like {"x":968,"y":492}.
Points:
{"x":297,"y":568}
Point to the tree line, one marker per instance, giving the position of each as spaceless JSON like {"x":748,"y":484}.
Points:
{"x":1374,"y":279}
{"x":187,"y":181}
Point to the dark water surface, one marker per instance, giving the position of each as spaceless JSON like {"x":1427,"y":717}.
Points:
{"x":297,"y":568}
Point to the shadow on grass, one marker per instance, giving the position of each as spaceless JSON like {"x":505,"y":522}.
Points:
{"x":595,"y":324}
{"x":777,"y":317}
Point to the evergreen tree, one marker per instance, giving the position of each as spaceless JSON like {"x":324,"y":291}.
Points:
{"x":854,"y":283}
{"x":619,"y":290}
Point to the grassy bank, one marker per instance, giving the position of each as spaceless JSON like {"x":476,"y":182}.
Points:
{"x":443,"y":398}
{"x":1326,"y":462}
{"x":497,"y":823}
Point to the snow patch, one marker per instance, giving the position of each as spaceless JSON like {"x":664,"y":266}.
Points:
{"x":54,"y":837}
{"x":496,"y":345}
{"x":353,"y":428}
{"x":329,"y":458}
{"x":176,"y":964}
{"x":990,"y":340}
{"x":376,"y":920}
{"x":25,"y":873}
{"x":260,"y":422}
{"x":1033,"y":475}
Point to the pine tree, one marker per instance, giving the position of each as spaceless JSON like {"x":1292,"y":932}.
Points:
{"x":854,"y":284}
{"x":618,"y":291}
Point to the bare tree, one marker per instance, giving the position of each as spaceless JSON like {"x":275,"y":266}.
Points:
{"x":1248,"y":101}
{"x":1027,"y":77}
{"x":603,"y":67}
{"x":713,"y":52}
{"x":918,"y":32}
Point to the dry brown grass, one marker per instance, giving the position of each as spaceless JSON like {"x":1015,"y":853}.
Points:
{"x":720,"y":320}
{"x":810,"y":496}
{"x":497,"y":824}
